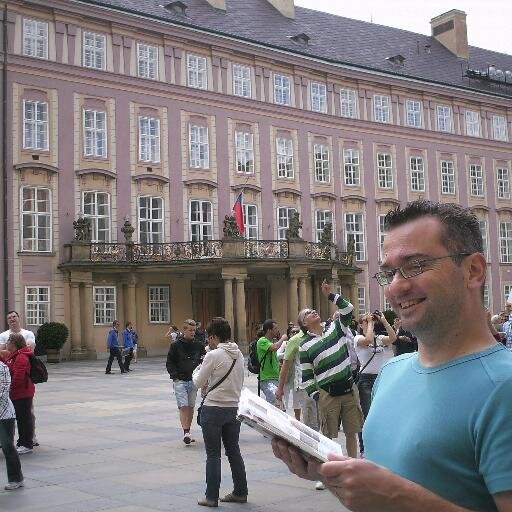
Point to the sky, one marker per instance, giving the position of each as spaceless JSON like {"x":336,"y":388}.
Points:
{"x":488,"y":21}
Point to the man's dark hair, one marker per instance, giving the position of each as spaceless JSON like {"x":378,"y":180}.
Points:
{"x":12,"y":311}
{"x":268,"y":325}
{"x":460,"y":233}
{"x":219,"y":327}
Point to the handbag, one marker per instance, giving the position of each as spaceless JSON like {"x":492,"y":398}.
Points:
{"x":218,"y":383}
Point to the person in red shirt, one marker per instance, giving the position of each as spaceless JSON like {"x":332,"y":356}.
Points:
{"x":22,"y":389}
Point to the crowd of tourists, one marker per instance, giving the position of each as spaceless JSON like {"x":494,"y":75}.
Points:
{"x":438,"y":369}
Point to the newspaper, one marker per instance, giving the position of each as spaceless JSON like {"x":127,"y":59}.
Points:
{"x":272,"y":422}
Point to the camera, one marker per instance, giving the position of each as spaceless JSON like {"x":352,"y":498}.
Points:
{"x":376,"y":315}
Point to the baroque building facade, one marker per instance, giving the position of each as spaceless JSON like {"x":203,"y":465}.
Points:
{"x":148,"y":119}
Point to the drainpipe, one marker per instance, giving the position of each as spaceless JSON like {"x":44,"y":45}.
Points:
{"x":4,"y":165}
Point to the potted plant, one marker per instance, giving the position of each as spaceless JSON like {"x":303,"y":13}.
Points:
{"x":51,"y":337}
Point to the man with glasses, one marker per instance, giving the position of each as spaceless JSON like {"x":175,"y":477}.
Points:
{"x":438,"y":434}
{"x":327,"y":370}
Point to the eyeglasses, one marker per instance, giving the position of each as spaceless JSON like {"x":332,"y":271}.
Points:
{"x":411,"y":269}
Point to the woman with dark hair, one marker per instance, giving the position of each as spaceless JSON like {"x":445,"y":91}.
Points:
{"x":22,"y":390}
{"x":221,"y":377}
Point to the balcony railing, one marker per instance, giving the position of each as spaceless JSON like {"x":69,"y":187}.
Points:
{"x":207,"y":250}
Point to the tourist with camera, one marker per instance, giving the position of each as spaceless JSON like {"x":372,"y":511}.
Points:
{"x":374,"y":347}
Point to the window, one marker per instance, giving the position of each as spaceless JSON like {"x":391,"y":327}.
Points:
{"x":351,"y":167}
{"x":506,"y":291}
{"x":506,"y":242}
{"x":447,"y":177}
{"x":444,"y":118}
{"x":36,"y":219}
{"x":197,"y":76}
{"x":35,"y":39}
{"x":318,"y":97}
{"x":244,"y":153}
{"x":486,"y":295}
{"x":384,"y":170}
{"x":472,"y":123}
{"x":104,"y":304}
{"x":35,"y":125}
{"x":241,"y":80}
{"x":348,"y":103}
{"x":476,"y":177}
{"x":499,"y":128}
{"x":149,"y":139}
{"x":482,"y":224}
{"x":282,"y":90}
{"x":503,"y":182}
{"x":322,"y":217}
{"x":417,"y":174}
{"x":386,"y":306}
{"x":94,"y":50}
{"x":201,"y":223}
{"x":95,"y":133}
{"x":158,"y":299}
{"x":147,"y":61}
{"x":361,"y":300}
{"x":151,"y":220}
{"x":381,"y":109}
{"x":321,"y":157}
{"x":284,"y":215}
{"x":413,"y":111}
{"x":37,"y":304}
{"x":199,"y":147}
{"x":251,"y":221}
{"x":284,"y":158}
{"x":354,"y":234}
{"x":381,"y":234}
{"x":96,"y":208}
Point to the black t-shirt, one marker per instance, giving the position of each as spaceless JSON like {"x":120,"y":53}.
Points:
{"x":403,"y":346}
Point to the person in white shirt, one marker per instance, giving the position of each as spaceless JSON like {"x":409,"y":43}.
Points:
{"x":14,"y":323}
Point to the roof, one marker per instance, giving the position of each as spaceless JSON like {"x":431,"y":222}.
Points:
{"x":332,"y":38}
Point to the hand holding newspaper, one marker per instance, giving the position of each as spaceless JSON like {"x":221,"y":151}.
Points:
{"x":272,"y":422}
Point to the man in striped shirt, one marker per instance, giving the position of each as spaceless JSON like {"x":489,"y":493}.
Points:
{"x":327,"y":373}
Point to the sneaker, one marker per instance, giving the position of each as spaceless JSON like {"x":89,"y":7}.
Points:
{"x":187,"y":439}
{"x":319,"y":486}
{"x":14,"y":485}
{"x":108,"y":373}
{"x":35,"y":442}
{"x":233,"y":498}
{"x":205,"y":502}
{"x":23,"y":449}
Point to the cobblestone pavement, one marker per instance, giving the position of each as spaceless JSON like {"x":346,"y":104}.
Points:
{"x":113,"y":443}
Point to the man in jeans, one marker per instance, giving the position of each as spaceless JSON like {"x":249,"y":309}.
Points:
{"x":269,"y":365}
{"x":7,"y":420}
{"x":113,"y":347}
{"x":184,"y":355}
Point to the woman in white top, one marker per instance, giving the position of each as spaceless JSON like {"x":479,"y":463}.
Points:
{"x":374,"y":347}
{"x":218,"y":413}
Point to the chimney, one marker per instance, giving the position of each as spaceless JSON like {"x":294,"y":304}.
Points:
{"x":285,"y":7}
{"x":451,"y":31}
{"x":218,"y":4}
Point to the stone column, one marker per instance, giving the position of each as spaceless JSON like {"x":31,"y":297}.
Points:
{"x":317,"y":295}
{"x":293,"y":299}
{"x":302,"y":293}
{"x":228,"y":301}
{"x":76,"y":324}
{"x":88,"y":341}
{"x":241,"y":320}
{"x":354,"y":299}
{"x":131,"y":305}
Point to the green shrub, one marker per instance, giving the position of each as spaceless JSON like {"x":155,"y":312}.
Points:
{"x":51,"y":335}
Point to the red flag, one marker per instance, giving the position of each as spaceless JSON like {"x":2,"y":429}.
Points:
{"x":238,"y":213}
